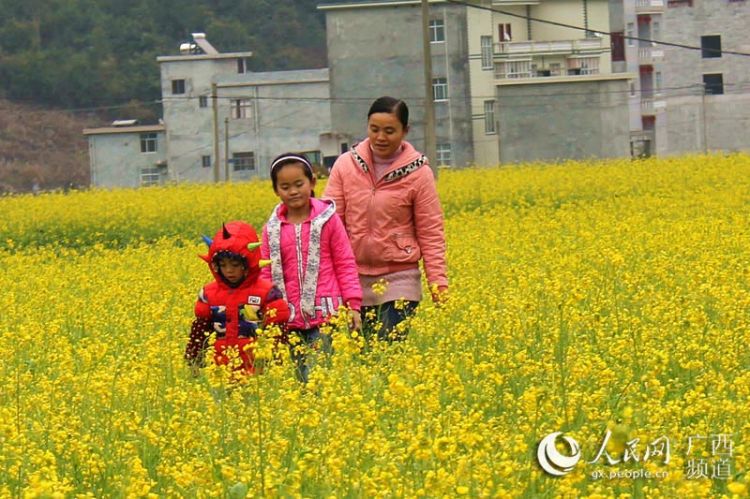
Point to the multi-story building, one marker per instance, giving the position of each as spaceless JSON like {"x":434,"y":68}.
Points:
{"x":690,"y":95}
{"x":505,"y":88}
{"x":221,"y":122}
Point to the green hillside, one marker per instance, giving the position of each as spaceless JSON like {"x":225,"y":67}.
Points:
{"x":99,"y":53}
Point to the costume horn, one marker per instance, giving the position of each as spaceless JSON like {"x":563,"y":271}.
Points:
{"x":263,"y":263}
{"x":253,"y":246}
{"x":227,"y":235}
{"x":207,"y":240}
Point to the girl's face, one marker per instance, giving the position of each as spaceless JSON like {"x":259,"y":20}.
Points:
{"x":386,"y":133}
{"x":293,"y":186}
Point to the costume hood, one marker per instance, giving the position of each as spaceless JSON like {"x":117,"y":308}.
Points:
{"x":239,"y":238}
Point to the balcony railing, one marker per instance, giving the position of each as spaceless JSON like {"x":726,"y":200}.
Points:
{"x":649,"y":6}
{"x":650,"y":105}
{"x":647,"y":55}
{"x":505,"y":49}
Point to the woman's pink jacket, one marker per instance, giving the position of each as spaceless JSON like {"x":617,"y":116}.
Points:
{"x":311,"y":263}
{"x":394,"y":220}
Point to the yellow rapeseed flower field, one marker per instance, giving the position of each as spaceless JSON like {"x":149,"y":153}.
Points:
{"x":609,"y":301}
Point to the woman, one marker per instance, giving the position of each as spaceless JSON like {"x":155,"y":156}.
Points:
{"x":385,"y":194}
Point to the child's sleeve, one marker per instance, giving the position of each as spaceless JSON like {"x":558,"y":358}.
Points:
{"x":199,"y":332}
{"x":265,"y":253}
{"x":276,"y":309}
{"x":344,"y":264}
{"x":202,"y":310}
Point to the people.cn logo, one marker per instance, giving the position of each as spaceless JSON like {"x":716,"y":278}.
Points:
{"x":552,"y":461}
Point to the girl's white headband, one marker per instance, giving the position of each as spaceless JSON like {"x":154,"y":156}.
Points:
{"x":294,"y":157}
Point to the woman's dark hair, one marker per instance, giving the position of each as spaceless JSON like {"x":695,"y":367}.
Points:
{"x":387,"y":104}
{"x":287,"y":159}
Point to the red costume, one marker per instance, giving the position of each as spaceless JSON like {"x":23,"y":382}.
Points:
{"x":234,"y":311}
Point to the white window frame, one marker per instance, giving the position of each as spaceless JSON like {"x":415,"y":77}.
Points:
{"x":437,"y":31}
{"x":485,"y":43}
{"x":440,"y":89}
{"x":241,"y":109}
{"x":630,"y":34}
{"x":444,"y":154}
{"x":150,"y":176}
{"x":149,"y":143}
{"x":243,"y":161}
{"x":489,"y":117}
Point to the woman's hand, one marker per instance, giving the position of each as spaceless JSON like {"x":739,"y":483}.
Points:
{"x":355,"y":321}
{"x":439,"y":294}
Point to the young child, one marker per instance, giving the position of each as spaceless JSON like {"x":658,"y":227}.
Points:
{"x":311,"y":259}
{"x":237,"y":302}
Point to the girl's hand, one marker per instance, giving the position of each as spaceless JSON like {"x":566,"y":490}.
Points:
{"x":356,"y":320}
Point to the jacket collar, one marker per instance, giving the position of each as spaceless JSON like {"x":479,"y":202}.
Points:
{"x":404,"y":163}
{"x":317,"y":207}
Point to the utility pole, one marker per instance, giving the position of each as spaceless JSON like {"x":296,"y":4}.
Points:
{"x":226,"y":149}
{"x":705,"y":124}
{"x":430,"y":142}
{"x":215,"y":103}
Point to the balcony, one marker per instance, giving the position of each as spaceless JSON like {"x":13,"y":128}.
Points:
{"x":649,"y":55}
{"x":650,"y":105}
{"x":649,"y":6}
{"x":560,"y":47}
{"x":531,"y":68}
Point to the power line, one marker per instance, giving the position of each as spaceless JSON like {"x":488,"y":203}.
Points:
{"x":588,"y":30}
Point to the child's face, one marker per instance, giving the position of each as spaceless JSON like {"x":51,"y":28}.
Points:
{"x":293,"y":186}
{"x":232,"y":270}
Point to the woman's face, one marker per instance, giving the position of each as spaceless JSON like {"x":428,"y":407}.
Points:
{"x":386,"y":133}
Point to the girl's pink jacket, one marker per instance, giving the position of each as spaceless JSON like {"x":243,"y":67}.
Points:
{"x":394,"y":220}
{"x":311,"y":263}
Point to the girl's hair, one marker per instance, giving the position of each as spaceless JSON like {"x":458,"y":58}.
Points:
{"x":392,"y":105}
{"x":287,"y":159}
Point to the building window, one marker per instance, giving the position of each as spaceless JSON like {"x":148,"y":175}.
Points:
{"x":679,"y":3}
{"x":241,"y":65}
{"x":711,"y":46}
{"x":241,"y":108}
{"x":583,"y":66}
{"x":503,"y":32}
{"x":655,"y":31}
{"x":631,"y":35}
{"x":443,"y":152}
{"x":440,"y":89}
{"x":150,"y":176}
{"x":516,"y":69}
{"x":148,"y":142}
{"x":657,"y":81}
{"x":489,"y":116}
{"x":203,"y":101}
{"x":206,"y":161}
{"x":178,"y":87}
{"x":713,"y":84}
{"x":437,"y":30}
{"x":632,"y":89}
{"x":486,"y":44}
{"x":243,"y":161}
{"x":617,"y":43}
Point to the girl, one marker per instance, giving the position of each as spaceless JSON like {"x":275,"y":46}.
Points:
{"x":311,"y":259}
{"x":385,"y":194}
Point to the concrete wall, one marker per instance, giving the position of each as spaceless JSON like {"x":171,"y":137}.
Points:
{"x":376,"y":51}
{"x":727,"y":116}
{"x":553,"y":121}
{"x":289,"y":110}
{"x":116,"y":160}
